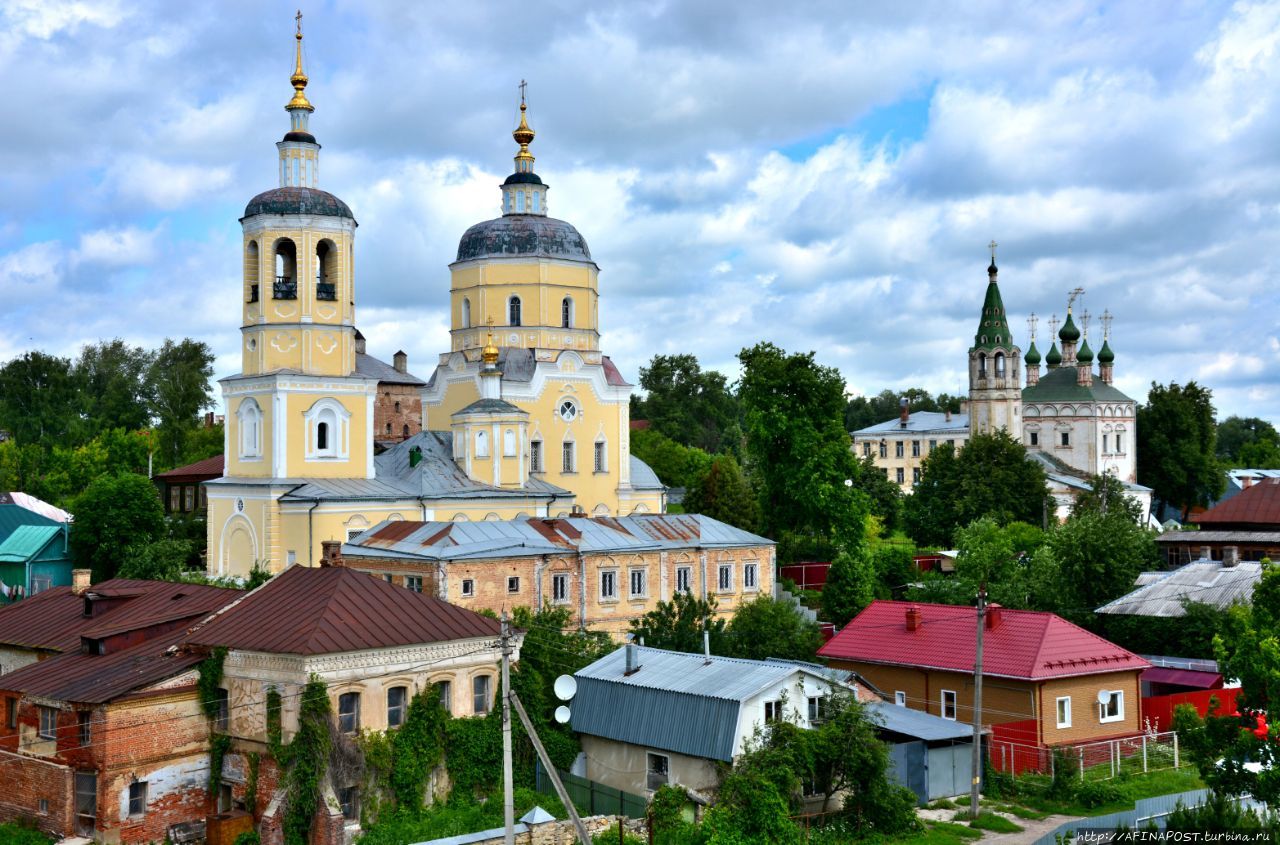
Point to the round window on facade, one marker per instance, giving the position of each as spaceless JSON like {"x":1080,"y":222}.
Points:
{"x":568,"y":410}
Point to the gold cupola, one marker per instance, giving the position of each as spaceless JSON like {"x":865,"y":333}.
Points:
{"x":299,"y":78}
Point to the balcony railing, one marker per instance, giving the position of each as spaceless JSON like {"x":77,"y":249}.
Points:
{"x":253,"y":293}
{"x":326,"y":291}
{"x":284,"y":288}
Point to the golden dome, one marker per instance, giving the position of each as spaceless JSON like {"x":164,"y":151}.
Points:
{"x":522,"y":133}
{"x":489,"y":355}
{"x":299,"y":78}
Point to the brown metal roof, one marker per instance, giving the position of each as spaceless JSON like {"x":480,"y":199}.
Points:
{"x":94,"y":679}
{"x":1257,"y":506}
{"x":334,"y":609}
{"x":199,"y":471}
{"x":54,"y":619}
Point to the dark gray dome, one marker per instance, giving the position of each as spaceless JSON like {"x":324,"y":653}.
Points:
{"x":523,"y":234}
{"x":294,"y":200}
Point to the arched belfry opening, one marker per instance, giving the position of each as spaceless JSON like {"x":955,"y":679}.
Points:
{"x":326,"y":271}
{"x":285,"y":285}
{"x":252,"y":271}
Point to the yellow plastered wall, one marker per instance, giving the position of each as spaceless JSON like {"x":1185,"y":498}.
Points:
{"x":542,"y":287}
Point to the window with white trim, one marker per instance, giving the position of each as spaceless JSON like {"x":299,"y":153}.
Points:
{"x":397,"y":702}
{"x":724,"y":582}
{"x":1112,"y":709}
{"x":138,"y":798}
{"x":568,"y":457}
{"x":900,"y":698}
{"x":560,"y":588}
{"x":413,"y":583}
{"x":482,"y":444}
{"x":328,"y":426}
{"x":535,"y":456}
{"x":949,"y":704}
{"x":566,"y":313}
{"x":684,"y":578}
{"x":466,"y":313}
{"x":468,"y":587}
{"x":598,"y":459}
{"x":1064,"y":711}
{"x":817,"y":708}
{"x":772,"y":711}
{"x":513,"y":583}
{"x":48,"y":722}
{"x":513,"y":311}
{"x":750,"y":572}
{"x":658,"y":771}
{"x":480,"y":696}
{"x":445,"y":689}
{"x":638,"y":583}
{"x":250,"y":415}
{"x":609,"y":584}
{"x":509,"y":443}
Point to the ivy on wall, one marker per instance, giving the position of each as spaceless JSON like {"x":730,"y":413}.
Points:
{"x":209,"y":689}
{"x":308,"y":756}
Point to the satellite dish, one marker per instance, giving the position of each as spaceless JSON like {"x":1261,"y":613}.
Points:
{"x":1104,"y":696}
{"x":562,"y":714}
{"x":565,"y":687}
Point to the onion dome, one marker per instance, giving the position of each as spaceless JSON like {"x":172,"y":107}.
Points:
{"x":299,"y":78}
{"x":523,"y":234}
{"x":1069,"y":331}
{"x":1033,"y":356}
{"x":1105,"y":355}
{"x":1085,"y":355}
{"x":489,"y":355}
{"x":295,"y":200}
{"x":1054,"y":358}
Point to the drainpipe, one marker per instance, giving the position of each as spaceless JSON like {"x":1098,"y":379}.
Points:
{"x":582,"y":591}
{"x":315,"y":503}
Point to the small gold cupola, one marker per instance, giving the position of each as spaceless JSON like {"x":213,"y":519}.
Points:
{"x":523,"y":192}
{"x":299,"y":150}
{"x":489,"y":355}
{"x":299,"y":78}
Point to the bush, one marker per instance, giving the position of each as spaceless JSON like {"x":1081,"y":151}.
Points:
{"x":21,"y":833}
{"x":249,"y":837}
{"x":609,"y":836}
{"x":1096,"y":793}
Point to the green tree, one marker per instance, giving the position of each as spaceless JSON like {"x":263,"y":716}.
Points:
{"x":678,"y":624}
{"x":1107,"y":494}
{"x":884,"y":498}
{"x":159,"y":560}
{"x":113,"y":513}
{"x":991,"y":476}
{"x":1099,"y":558}
{"x":38,"y":403}
{"x":179,"y":382}
{"x":765,"y":627}
{"x":692,"y":406}
{"x":1243,"y":440}
{"x":23,"y":467}
{"x":863,"y":411}
{"x":895,"y":569}
{"x":850,"y":587}
{"x":111,"y":379}
{"x":676,"y":465}
{"x":986,"y":554}
{"x":202,"y":443}
{"x":723,"y":493}
{"x":793,"y":412}
{"x":1177,"y":441}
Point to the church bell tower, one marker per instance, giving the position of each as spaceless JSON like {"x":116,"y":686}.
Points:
{"x":995,"y":390}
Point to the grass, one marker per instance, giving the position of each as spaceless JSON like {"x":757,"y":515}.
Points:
{"x":934,"y":833}
{"x":990,"y":821}
{"x":1033,"y":793}
{"x":943,"y":804}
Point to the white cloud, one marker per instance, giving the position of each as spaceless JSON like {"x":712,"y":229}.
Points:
{"x":116,"y":247}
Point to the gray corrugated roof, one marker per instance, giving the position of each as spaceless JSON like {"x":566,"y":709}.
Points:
{"x":1219,"y":537}
{"x":371,"y":367}
{"x":490,"y":406}
{"x":1205,"y":581}
{"x":921,"y":422}
{"x":916,"y":723}
{"x":643,"y":477}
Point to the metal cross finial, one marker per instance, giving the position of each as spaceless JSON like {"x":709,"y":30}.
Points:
{"x":992,"y":246}
{"x":1084,"y":323}
{"x":298,"y":18}
{"x":1054,"y":322}
{"x":523,"y":85}
{"x":1032,"y":322}
{"x":1072,"y":296}
{"x":1106,"y":325}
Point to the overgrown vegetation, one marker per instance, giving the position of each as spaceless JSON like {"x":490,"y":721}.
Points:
{"x":307,"y":760}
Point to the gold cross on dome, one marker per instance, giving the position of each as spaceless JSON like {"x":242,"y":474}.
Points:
{"x":523,"y":85}
{"x":1032,"y":322}
{"x":1054,"y":322}
{"x":298,"y":18}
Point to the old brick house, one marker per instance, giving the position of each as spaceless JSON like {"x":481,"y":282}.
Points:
{"x":397,"y":410}
{"x":606,"y":570}
{"x":102,"y":734}
{"x":1038,"y":668}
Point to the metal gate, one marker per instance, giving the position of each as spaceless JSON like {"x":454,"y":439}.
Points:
{"x":86,"y":803}
{"x":907,"y":766}
{"x":949,"y":768}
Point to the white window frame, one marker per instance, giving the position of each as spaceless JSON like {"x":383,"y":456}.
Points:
{"x":249,"y":414}
{"x":750,"y":577}
{"x":1117,"y":696}
{"x":413,"y":583}
{"x":567,"y":410}
{"x":684,"y":573}
{"x":641,"y":574}
{"x":560,"y":588}
{"x":468,"y":587}
{"x":140,"y":798}
{"x":649,"y":773}
{"x":724,"y":584}
{"x":609,"y":577}
{"x":773,"y":711}
{"x":339,"y":420}
{"x":817,"y":708}
{"x":900,"y":698}
{"x":600,"y":456}
{"x":509,"y":443}
{"x":513,"y":584}
{"x":400,"y":710}
{"x":955,"y":705}
{"x":568,"y":457}
{"x":49,"y":714}
{"x":535,"y":456}
{"x":1062,"y":706}
{"x":566,"y":312}
{"x":476,"y":693}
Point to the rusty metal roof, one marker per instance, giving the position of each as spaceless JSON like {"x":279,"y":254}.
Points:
{"x":1256,"y":506}
{"x":294,"y":200}
{"x":523,"y":235}
{"x":199,"y":471}
{"x":94,"y":679}
{"x":325,"y":610}
{"x":54,"y":620}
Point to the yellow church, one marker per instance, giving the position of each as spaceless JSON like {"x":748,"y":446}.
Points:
{"x":523,"y":417}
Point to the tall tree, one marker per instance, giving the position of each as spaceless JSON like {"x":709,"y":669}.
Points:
{"x":766,"y":627}
{"x":1236,"y":434}
{"x":692,"y":406}
{"x":723,"y":493}
{"x":677,"y":465}
{"x":1177,"y":441}
{"x":793,"y":413}
{"x":1099,"y":558}
{"x":884,"y":498}
{"x":991,"y":476}
{"x":112,"y":514}
{"x":111,"y":379}
{"x":38,"y":399}
{"x":678,"y":624}
{"x":851,"y":585}
{"x":178,"y":379}
{"x":1106,"y":494}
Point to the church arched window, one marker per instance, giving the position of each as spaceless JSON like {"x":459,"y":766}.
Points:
{"x":513,"y":311}
{"x":566,"y":313}
{"x":519,"y":201}
{"x":982,"y":365}
{"x":999,"y":365}
{"x":326,"y":272}
{"x":509,"y":443}
{"x":286,"y":260}
{"x":466,"y":313}
{"x":482,"y":444}
{"x":251,"y":269}
{"x":250,"y":415}
{"x":328,"y":430}
{"x":322,"y":436}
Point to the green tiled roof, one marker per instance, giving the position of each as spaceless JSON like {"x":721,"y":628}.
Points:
{"x":993,"y":329}
{"x":1059,"y":385}
{"x":26,"y":542}
{"x":12,"y":516}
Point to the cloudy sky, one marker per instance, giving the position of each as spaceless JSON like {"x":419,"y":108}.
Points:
{"x":823,"y":175}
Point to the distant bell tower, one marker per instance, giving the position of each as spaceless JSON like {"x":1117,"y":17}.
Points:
{"x":995,"y":390}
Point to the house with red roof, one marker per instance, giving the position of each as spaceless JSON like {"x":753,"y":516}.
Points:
{"x":1066,"y":684}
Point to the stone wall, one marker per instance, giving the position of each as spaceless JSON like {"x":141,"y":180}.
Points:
{"x":563,"y":832}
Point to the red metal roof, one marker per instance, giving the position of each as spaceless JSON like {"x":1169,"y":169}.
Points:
{"x":1025,"y":644}
{"x":1183,"y":677}
{"x":93,"y":679}
{"x":54,"y":619}
{"x":199,"y":471}
{"x":334,"y":609}
{"x":1257,"y":506}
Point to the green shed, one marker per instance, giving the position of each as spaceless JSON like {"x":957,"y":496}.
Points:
{"x":35,"y":558}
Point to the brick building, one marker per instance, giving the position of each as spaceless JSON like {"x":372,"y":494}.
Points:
{"x":607,"y":571}
{"x":397,"y":410}
{"x":1038,"y":668}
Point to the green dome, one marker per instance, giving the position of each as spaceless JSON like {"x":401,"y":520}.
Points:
{"x":1085,"y":355}
{"x":1054,"y":358}
{"x":1033,"y":355}
{"x":1069,"y":330}
{"x":1105,"y":355}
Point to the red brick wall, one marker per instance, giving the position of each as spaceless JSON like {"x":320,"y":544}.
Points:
{"x":384,"y":411}
{"x":28,"y":780}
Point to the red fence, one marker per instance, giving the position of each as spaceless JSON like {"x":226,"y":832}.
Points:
{"x":1014,"y":747}
{"x":808,"y":576}
{"x":1157,"y":710}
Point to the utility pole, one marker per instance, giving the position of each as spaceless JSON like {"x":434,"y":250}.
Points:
{"x":977,"y":705}
{"x":508,"y":781}
{"x":584,"y":838}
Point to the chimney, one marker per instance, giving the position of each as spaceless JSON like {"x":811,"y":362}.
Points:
{"x":415,"y":456}
{"x":948,"y":415}
{"x":81,"y":579}
{"x":913,"y":617}
{"x":993,"y":616}
{"x":633,"y":659}
{"x":331,"y":553}
{"x":964,"y":406}
{"x":706,"y":645}
{"x":401,"y":362}
{"x":904,"y":415}
{"x":208,"y":419}
{"x":578,"y":510}
{"x":1230,"y":556}
{"x":360,"y":347}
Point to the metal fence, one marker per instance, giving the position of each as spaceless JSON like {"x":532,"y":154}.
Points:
{"x":592,"y":798}
{"x":1145,"y":811}
{"x":1148,"y":752}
